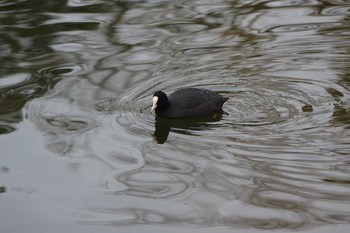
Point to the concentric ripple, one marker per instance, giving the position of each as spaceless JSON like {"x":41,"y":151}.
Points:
{"x":273,"y":124}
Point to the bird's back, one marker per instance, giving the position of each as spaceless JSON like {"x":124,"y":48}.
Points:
{"x":190,"y":98}
{"x":192,"y":102}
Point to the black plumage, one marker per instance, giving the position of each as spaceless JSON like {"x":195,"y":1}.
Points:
{"x":188,"y":103}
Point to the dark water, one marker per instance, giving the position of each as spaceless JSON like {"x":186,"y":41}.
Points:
{"x":81,"y":151}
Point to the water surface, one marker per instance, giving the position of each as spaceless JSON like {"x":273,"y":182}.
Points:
{"x":82,"y":152}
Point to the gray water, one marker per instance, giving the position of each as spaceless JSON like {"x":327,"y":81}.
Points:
{"x":81,"y":151}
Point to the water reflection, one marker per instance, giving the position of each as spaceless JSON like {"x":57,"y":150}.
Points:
{"x":30,"y":65}
{"x":163,"y":126}
{"x":83,"y":73}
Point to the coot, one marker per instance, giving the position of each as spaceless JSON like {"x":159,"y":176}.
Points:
{"x":187,"y":103}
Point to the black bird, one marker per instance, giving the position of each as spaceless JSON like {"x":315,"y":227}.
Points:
{"x":187,"y":103}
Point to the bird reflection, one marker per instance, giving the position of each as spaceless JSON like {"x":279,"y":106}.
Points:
{"x":163,"y":126}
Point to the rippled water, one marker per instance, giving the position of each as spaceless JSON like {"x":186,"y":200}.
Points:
{"x":81,"y":150}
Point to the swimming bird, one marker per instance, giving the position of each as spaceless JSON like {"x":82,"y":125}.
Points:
{"x":187,"y":103}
